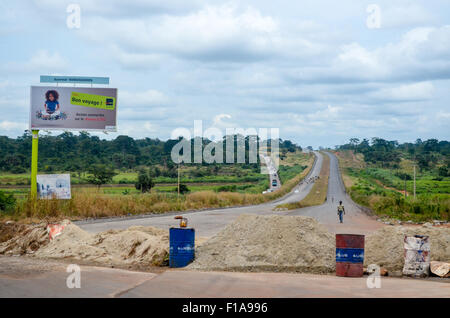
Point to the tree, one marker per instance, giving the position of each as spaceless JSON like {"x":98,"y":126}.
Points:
{"x":100,"y":174}
{"x":7,"y":201}
{"x":443,"y":172}
{"x":144,"y":182}
{"x":354,"y":142}
{"x":183,"y":189}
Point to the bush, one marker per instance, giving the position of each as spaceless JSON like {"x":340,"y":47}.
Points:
{"x":18,"y":170}
{"x":227,"y":188}
{"x":443,"y":172}
{"x":144,"y":182}
{"x":183,"y":189}
{"x":7,"y":201}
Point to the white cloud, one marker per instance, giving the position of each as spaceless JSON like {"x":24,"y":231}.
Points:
{"x":149,"y":97}
{"x":406,"y":92}
{"x":214,"y":32}
{"x":12,"y":126}
{"x":43,"y":61}
{"x":267,"y":64}
{"x":218,"y":121}
{"x":404,"y":16}
{"x":122,"y":8}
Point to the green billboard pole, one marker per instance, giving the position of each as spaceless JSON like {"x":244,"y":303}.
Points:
{"x":34,"y":162}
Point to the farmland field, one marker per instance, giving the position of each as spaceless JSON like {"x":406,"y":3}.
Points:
{"x":236,"y":186}
{"x":383,"y":189}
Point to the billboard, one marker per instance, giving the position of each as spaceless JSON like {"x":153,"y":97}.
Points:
{"x":53,"y":186}
{"x":77,"y":108}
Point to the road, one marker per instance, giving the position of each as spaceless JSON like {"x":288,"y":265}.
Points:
{"x":209,"y":222}
{"x":27,"y":277}
{"x":355,"y":220}
{"x":272,"y":173}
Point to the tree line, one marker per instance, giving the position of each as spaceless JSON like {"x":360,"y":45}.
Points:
{"x":76,"y":153}
{"x":388,"y":153}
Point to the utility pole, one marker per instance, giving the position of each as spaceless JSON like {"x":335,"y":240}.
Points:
{"x":405,"y":186}
{"x":34,"y":162}
{"x":178,"y":180}
{"x":414,"y":182}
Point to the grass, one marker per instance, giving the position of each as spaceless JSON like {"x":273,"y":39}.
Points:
{"x":318,"y":193}
{"x":382,"y":190}
{"x":108,"y":202}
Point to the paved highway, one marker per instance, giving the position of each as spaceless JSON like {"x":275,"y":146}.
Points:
{"x":209,"y":222}
{"x":355,"y":220}
{"x":29,"y":277}
{"x":272,"y":174}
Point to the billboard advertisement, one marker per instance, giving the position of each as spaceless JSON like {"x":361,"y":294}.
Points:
{"x":77,"y":108}
{"x":53,"y":186}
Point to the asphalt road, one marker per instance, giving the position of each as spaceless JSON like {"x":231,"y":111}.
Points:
{"x":355,"y":220}
{"x":209,"y":222}
{"x":28,"y":277}
{"x":272,"y":174}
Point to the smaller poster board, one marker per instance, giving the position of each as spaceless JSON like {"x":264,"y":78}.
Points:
{"x":53,"y":186}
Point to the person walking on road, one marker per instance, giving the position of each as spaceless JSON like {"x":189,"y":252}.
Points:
{"x":341,"y":212}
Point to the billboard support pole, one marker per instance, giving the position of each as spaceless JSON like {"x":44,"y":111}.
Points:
{"x":34,"y":162}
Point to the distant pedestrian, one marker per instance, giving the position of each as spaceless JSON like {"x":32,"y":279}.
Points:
{"x":341,"y":212}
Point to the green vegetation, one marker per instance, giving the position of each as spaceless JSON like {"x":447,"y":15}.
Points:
{"x":7,"y":201}
{"x":136,"y":176}
{"x":183,"y":189}
{"x":100,"y":174}
{"x":376,"y":175}
{"x":144,"y":181}
{"x":117,"y":201}
{"x":126,"y":156}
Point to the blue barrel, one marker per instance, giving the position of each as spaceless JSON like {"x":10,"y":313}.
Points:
{"x":182,"y":247}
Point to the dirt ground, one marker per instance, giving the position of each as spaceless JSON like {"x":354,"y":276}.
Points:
{"x":251,"y":243}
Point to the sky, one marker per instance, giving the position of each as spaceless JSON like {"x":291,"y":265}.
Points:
{"x":322,"y":71}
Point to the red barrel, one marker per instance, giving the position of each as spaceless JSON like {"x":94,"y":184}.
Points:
{"x":349,"y":255}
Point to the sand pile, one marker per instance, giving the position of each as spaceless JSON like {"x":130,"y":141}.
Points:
{"x":384,"y":247}
{"x":137,"y":245}
{"x":19,"y":239}
{"x":269,"y":243}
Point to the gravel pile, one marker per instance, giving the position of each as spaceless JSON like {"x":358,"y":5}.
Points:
{"x":269,"y":243}
{"x":137,"y":246}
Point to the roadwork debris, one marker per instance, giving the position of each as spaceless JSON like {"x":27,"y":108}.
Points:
{"x":269,"y":243}
{"x":440,"y":269}
{"x":385,"y":247}
{"x":137,"y":245}
{"x":20,"y":239}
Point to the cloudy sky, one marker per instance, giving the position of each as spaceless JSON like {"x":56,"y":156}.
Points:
{"x":320,"y":71}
